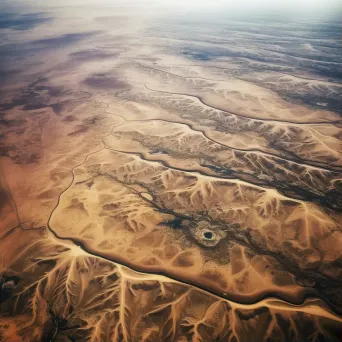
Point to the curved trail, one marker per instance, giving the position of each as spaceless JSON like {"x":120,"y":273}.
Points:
{"x":225,"y":111}
{"x":303,"y":163}
{"x":200,"y":99}
{"x":302,"y":193}
{"x":298,"y":160}
{"x":312,"y":294}
{"x":217,"y":80}
{"x":185,"y":77}
{"x":196,"y":171}
{"x":193,"y":171}
{"x":240,"y":300}
{"x":334,"y":83}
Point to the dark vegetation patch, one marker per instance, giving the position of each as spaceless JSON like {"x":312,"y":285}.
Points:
{"x":10,"y":50}
{"x":35,"y":106}
{"x":105,"y":82}
{"x":176,"y":223}
{"x":206,"y":54}
{"x":51,"y":90}
{"x":65,"y":39}
{"x":91,"y":54}
{"x":31,"y":98}
{"x":57,"y":107}
{"x":22,"y":22}
{"x":6,"y":75}
{"x":333,"y":104}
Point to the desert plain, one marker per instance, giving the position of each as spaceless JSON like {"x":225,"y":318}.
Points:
{"x":169,"y":178}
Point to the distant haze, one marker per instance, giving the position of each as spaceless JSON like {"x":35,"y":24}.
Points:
{"x":292,"y":6}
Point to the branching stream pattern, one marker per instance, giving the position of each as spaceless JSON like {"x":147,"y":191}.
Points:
{"x":195,"y":196}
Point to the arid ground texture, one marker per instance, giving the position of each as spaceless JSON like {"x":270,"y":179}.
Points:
{"x":169,"y":177}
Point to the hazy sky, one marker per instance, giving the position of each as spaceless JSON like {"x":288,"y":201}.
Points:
{"x":270,"y":4}
{"x":294,"y":6}
{"x":307,"y":4}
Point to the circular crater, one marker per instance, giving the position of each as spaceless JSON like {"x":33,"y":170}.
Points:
{"x":206,"y":234}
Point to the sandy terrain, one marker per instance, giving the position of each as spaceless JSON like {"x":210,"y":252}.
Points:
{"x":161,"y":185}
